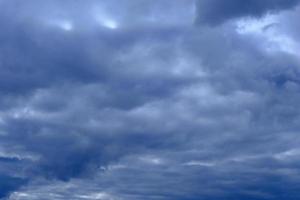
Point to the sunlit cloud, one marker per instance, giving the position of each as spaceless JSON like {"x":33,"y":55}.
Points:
{"x":111,"y":24}
{"x":64,"y":25}
{"x":269,"y":30}
{"x":105,"y":20}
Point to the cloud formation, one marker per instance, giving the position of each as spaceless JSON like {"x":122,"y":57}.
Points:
{"x":215,"y":12}
{"x":136,"y":99}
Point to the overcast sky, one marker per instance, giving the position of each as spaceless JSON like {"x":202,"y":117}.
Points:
{"x":150,"y":99}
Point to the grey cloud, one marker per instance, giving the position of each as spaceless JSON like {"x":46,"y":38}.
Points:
{"x":216,"y":12}
{"x":9,"y":184}
{"x":155,"y":108}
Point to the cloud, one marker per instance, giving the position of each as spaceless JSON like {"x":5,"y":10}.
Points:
{"x":216,"y":12}
{"x":131,"y":100}
{"x":9,"y":184}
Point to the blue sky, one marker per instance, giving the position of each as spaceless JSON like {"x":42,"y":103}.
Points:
{"x":149,"y":100}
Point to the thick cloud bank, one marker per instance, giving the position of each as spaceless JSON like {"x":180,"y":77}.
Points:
{"x":215,"y":12}
{"x":141,"y":100}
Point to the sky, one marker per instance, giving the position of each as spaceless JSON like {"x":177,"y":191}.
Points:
{"x":149,"y":100}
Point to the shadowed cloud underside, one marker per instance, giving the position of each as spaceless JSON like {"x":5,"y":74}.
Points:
{"x":148,"y":100}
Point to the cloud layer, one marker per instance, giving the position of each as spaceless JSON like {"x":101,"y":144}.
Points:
{"x":215,"y":12}
{"x":135,"y":99}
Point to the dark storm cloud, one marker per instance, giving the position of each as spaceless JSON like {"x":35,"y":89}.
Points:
{"x":9,"y":184}
{"x":215,"y":12}
{"x":128,"y":100}
{"x":50,"y":75}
